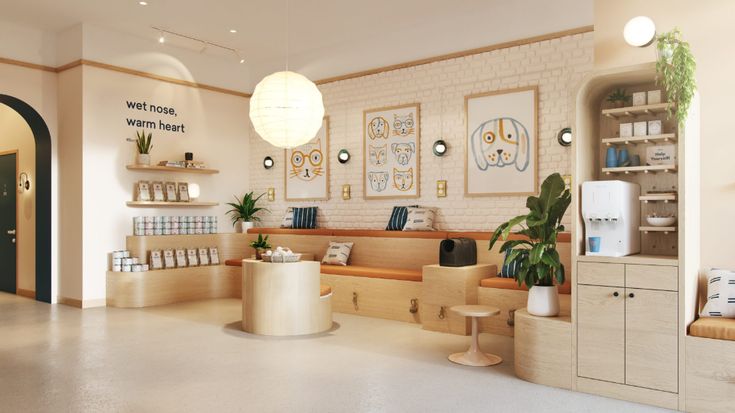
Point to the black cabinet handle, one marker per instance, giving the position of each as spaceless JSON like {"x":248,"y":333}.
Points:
{"x":615,"y":294}
{"x":631,"y":295}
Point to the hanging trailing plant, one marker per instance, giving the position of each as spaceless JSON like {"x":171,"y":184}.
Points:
{"x":675,"y":68}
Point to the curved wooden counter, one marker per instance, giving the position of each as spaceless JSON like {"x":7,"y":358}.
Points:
{"x":543,"y":349}
{"x":284,"y":299}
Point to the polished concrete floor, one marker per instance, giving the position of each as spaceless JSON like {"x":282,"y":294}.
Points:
{"x":193,"y":358}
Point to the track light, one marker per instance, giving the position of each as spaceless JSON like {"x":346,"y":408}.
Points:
{"x":205,"y":44}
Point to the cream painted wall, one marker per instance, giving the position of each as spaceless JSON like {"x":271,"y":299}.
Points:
{"x":703,"y":24}
{"x":217,"y":129}
{"x":17,"y":136}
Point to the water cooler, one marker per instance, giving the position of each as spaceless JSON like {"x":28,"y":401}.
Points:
{"x":612,"y":214}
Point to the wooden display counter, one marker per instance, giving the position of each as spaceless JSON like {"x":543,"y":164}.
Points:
{"x":543,"y":349}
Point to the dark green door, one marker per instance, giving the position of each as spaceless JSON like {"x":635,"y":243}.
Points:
{"x":7,"y":223}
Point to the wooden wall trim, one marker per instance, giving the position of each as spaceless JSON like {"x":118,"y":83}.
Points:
{"x":26,"y":293}
{"x":455,"y":55}
{"x":27,"y":65}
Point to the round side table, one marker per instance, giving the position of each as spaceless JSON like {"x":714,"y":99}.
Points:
{"x":473,"y":356}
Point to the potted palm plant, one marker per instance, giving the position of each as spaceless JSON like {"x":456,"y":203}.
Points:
{"x":244,"y":211}
{"x":534,"y":252}
{"x":143,"y":144}
{"x":260,"y":245}
{"x":618,"y":98}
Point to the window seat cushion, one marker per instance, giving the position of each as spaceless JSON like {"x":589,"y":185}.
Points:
{"x":713,"y":327}
{"x":373,"y":272}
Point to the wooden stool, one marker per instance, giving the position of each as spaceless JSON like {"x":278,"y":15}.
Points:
{"x":473,"y":356}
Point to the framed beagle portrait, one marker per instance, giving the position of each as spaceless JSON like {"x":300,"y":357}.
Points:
{"x":501,"y":142}
{"x":306,"y":173}
{"x":391,"y":138}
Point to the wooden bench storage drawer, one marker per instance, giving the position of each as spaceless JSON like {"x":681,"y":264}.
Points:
{"x":652,"y":277}
{"x":376,"y":297}
{"x":597,"y":273}
{"x":710,"y":375}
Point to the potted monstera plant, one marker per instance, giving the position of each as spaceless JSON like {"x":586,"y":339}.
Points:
{"x":534,"y":252}
{"x":244,"y":210}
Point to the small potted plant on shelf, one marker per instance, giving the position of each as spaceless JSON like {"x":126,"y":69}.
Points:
{"x":260,"y":245}
{"x":618,"y":98}
{"x":143,"y":144}
{"x":675,"y":70}
{"x":244,"y":211}
{"x":534,"y":252}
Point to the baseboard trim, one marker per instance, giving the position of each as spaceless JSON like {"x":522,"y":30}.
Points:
{"x":74,"y":302}
{"x":25,"y":293}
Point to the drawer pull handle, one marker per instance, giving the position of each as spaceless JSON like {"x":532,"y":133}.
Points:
{"x":442,"y":313}
{"x":354,"y":300}
{"x":616,"y":294}
{"x":414,"y":306}
{"x":631,"y":295}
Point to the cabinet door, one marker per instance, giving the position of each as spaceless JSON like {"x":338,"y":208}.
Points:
{"x":652,"y":345}
{"x":601,"y":333}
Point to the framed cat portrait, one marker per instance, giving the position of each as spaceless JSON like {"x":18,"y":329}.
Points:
{"x":306,"y":173}
{"x":391,"y":152}
{"x":501,"y":143}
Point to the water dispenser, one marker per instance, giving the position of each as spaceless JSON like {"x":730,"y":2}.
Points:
{"x":612,"y":213}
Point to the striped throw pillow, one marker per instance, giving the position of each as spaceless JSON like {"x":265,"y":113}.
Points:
{"x":337,"y":253}
{"x":287,"y":221}
{"x":419,"y":219}
{"x":509,"y":269}
{"x":304,"y":218}
{"x":720,"y":294}
{"x":398,"y":218}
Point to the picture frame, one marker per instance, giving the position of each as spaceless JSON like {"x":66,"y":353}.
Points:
{"x":306,"y":168}
{"x":143,"y":191}
{"x":169,"y":259}
{"x":171,"y":195}
{"x":181,"y":258}
{"x":183,"y":191}
{"x":501,"y":143}
{"x":391,"y":152}
{"x":157,"y":190}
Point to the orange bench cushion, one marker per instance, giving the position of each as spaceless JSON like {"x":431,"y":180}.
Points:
{"x":234,"y":263}
{"x":713,"y":327}
{"x":373,"y":272}
{"x":324,"y":290}
{"x":511,"y":284}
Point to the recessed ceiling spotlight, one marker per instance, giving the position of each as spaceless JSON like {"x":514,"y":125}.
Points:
{"x":233,"y":30}
{"x":161,"y":38}
{"x":143,"y":3}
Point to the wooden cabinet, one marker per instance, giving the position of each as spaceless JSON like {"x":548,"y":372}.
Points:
{"x":625,"y":334}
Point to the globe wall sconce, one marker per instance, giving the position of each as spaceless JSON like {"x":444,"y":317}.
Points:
{"x":268,"y":162}
{"x":440,"y":148}
{"x":343,"y":156}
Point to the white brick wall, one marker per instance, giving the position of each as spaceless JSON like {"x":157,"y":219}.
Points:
{"x":556,"y":66}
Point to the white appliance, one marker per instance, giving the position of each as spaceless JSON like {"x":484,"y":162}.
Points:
{"x":612,"y":214}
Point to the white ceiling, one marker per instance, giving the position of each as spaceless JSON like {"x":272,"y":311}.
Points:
{"x":326,"y":37}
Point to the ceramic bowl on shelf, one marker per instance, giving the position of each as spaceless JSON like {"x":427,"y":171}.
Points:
{"x":660,"y":221}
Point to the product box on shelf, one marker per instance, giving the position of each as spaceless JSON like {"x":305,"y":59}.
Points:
{"x":626,"y":130}
{"x":640,"y":128}
{"x":654,"y":96}
{"x":654,"y":127}
{"x":661,"y":155}
{"x":639,"y":98}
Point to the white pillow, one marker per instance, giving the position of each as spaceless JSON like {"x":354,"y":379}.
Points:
{"x":287,"y":221}
{"x":337,"y":253}
{"x":419,"y":219}
{"x":720,"y":294}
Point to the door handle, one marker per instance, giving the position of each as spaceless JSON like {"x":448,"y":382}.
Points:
{"x":11,"y":232}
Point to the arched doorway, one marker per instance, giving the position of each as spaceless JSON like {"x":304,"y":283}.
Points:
{"x":42,"y":184}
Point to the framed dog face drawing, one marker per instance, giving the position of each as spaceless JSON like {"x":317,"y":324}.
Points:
{"x":501,"y":145}
{"x":391,"y":152}
{"x":306,"y":173}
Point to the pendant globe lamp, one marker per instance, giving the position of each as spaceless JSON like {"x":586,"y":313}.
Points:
{"x":286,"y":109}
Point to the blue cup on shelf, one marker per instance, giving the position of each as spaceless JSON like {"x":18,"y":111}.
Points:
{"x":594,"y":244}
{"x":611,"y":160}
{"x":622,"y":157}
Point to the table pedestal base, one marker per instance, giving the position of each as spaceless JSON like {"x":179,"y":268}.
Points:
{"x":475,"y":359}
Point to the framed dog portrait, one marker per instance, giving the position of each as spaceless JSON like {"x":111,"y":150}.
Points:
{"x":391,"y":152}
{"x":306,"y":168}
{"x":501,"y":143}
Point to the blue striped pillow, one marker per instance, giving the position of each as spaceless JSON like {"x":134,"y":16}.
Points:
{"x":398,"y":218}
{"x":510,"y":269}
{"x":304,"y":218}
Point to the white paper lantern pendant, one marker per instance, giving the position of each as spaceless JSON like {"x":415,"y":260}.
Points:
{"x":286,"y":109}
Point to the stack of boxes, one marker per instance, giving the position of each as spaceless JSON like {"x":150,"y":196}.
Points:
{"x":174,"y":225}
{"x":121,"y":261}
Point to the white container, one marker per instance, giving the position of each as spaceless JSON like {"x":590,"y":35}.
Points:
{"x":626,"y":130}
{"x":612,"y":213}
{"x":654,"y":96}
{"x":543,"y":301}
{"x":660,"y":221}
{"x":640,"y":128}
{"x":639,"y":98}
{"x":654,"y":127}
{"x":136,"y":268}
{"x":126,"y":268}
{"x":117,"y":268}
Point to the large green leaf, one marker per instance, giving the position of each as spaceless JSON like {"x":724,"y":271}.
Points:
{"x":512,"y":223}
{"x":552,"y":187}
{"x":496,"y":235}
{"x":534,"y":204}
{"x":536,"y":253}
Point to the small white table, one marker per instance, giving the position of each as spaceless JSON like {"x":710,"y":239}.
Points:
{"x":473,"y":356}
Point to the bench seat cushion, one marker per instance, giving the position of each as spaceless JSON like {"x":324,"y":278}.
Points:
{"x":373,"y":272}
{"x":713,"y":327}
{"x":324,"y":290}
{"x":511,"y":284}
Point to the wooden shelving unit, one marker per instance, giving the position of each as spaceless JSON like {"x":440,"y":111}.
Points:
{"x":639,"y":169}
{"x":158,"y":168}
{"x":154,"y":204}
{"x":634,"y":111}
{"x":665,"y":230}
{"x":634,"y":140}
{"x":665,"y":198}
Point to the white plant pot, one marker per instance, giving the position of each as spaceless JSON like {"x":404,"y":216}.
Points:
{"x":245,"y":225}
{"x":543,"y":301}
{"x":143,"y":159}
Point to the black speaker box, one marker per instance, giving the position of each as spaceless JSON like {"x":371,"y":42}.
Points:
{"x":458,"y":252}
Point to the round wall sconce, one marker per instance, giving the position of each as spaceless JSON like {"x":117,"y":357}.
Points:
{"x":440,"y":148}
{"x":268,"y":162}
{"x":24,"y":182}
{"x":343,"y":156}
{"x":639,"y":31}
{"x":564,"y":137}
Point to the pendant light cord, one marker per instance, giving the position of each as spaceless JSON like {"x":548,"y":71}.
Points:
{"x":288,"y":32}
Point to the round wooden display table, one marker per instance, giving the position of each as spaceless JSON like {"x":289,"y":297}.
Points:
{"x":474,"y":357}
{"x":284,"y":299}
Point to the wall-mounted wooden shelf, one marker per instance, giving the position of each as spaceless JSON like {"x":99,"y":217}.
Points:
{"x":665,"y":198}
{"x":154,"y":204}
{"x":634,"y":140}
{"x":638,"y":169}
{"x":158,"y":168}
{"x":633,"y":111}
{"x":665,"y":230}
